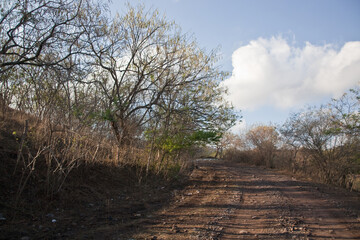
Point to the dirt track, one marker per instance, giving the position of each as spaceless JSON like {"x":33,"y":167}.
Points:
{"x":231,"y":201}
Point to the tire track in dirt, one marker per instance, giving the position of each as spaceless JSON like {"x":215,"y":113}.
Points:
{"x":233,"y":201}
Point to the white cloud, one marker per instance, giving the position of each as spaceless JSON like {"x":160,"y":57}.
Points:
{"x":272,"y":72}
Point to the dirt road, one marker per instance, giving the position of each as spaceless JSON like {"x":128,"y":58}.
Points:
{"x":232,"y":201}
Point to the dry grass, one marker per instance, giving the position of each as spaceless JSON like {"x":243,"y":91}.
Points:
{"x":45,"y":167}
{"x":301,"y":163}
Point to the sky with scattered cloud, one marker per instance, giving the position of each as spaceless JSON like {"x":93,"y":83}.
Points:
{"x":280,"y":54}
{"x":273,"y":72}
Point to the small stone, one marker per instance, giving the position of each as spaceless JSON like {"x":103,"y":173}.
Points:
{"x":2,"y":218}
{"x":331,"y":231}
{"x":175,"y":229}
{"x":25,"y":238}
{"x":255,"y":217}
{"x":53,"y":220}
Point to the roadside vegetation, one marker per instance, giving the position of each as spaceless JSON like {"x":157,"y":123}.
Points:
{"x":85,"y":94}
{"x":322,"y":143}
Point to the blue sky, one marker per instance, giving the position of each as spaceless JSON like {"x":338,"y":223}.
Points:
{"x":281,"y":55}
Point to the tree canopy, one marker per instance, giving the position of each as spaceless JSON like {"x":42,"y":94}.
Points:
{"x":133,"y":78}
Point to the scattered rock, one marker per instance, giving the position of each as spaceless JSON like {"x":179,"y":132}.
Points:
{"x":175,"y":229}
{"x":2,"y":218}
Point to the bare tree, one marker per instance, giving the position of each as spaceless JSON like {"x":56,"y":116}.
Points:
{"x":40,"y":33}
{"x":264,"y":139}
{"x":145,"y":67}
{"x":346,"y":113}
{"x":328,"y":136}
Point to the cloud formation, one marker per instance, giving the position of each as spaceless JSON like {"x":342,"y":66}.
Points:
{"x":272,"y":72}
